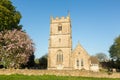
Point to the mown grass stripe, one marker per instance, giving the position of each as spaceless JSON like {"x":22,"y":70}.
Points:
{"x":49,"y":77}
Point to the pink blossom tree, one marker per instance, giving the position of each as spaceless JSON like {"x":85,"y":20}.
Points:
{"x":15,"y":48}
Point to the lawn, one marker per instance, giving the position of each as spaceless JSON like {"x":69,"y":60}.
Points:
{"x":48,"y":77}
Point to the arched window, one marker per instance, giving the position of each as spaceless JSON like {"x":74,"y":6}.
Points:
{"x":77,"y":63}
{"x":82,"y":64}
{"x":59,"y":56}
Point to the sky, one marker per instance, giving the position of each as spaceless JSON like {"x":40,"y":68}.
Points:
{"x":95,"y":23}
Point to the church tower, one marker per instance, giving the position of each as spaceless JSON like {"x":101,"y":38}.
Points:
{"x":60,"y":43}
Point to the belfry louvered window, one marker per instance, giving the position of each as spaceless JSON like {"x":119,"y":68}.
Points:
{"x":59,"y":28}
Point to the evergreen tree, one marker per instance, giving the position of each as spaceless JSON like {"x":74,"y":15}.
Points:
{"x":43,"y":61}
{"x":115,"y":49}
{"x":9,"y":16}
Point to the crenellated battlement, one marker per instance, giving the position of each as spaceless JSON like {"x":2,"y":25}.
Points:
{"x":60,"y":19}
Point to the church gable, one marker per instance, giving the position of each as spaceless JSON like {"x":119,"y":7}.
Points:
{"x":79,"y":51}
{"x":80,"y":58}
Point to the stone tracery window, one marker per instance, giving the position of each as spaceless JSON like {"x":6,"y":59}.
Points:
{"x":59,"y":57}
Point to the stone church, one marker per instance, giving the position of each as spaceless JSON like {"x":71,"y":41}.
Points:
{"x":61,"y":56}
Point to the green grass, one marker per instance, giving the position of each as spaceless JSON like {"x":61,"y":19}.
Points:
{"x":48,"y":77}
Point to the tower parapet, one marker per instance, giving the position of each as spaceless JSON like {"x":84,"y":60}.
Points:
{"x":60,"y":19}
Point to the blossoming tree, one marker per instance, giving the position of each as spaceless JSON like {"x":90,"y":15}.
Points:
{"x":15,"y":48}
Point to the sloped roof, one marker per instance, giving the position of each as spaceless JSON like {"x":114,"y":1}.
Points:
{"x":79,"y":46}
{"x":94,"y":60}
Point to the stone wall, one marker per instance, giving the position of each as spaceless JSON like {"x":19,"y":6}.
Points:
{"x":59,"y":73}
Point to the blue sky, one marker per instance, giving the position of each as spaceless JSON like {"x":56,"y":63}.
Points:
{"x":95,"y":23}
